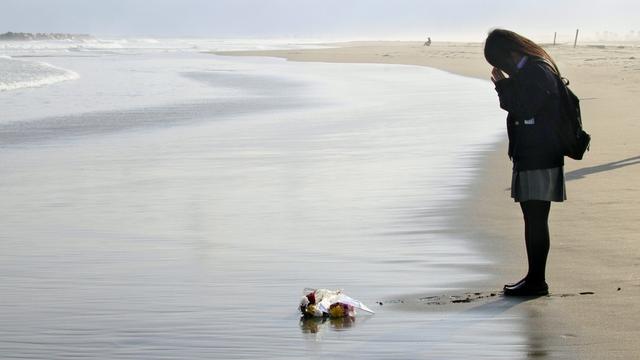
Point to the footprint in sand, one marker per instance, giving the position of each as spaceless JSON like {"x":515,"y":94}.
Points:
{"x":470,"y":297}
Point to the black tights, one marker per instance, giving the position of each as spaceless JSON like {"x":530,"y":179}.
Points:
{"x":536,"y":236}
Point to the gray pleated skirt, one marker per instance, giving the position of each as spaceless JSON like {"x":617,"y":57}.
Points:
{"x":541,"y":184}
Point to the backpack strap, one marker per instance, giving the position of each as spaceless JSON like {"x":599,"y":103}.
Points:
{"x":564,"y":80}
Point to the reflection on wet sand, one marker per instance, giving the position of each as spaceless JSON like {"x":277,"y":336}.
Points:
{"x":540,"y":323}
{"x":313,"y":325}
{"x":539,"y":344}
{"x":484,"y":322}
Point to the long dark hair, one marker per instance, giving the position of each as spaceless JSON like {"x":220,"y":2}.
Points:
{"x":500,"y":43}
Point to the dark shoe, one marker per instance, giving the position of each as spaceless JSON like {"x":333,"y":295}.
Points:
{"x":507,"y":286}
{"x":528,"y":288}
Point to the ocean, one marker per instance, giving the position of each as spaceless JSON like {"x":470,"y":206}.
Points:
{"x":159,"y":201}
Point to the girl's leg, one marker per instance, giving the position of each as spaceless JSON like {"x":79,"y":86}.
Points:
{"x":527,"y":248}
{"x":536,"y":220}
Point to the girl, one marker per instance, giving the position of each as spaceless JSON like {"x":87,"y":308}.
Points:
{"x":529,"y":93}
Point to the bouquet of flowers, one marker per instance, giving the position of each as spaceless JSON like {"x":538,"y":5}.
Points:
{"x":329,"y":303}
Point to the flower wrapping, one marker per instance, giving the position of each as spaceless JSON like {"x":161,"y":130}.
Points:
{"x":329,"y":303}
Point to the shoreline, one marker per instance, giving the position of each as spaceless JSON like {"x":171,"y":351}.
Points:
{"x":593,"y":247}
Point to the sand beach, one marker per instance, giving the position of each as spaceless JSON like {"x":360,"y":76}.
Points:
{"x":161,"y":201}
{"x":593,"y":270}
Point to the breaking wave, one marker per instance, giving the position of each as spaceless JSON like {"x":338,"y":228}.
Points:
{"x":18,"y":74}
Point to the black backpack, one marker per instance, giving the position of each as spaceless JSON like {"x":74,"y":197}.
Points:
{"x":574,"y":140}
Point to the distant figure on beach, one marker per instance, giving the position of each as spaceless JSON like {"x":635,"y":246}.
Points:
{"x":529,"y":93}
{"x":428,"y":42}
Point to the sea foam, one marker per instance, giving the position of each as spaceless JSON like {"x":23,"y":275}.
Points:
{"x":17,"y":73}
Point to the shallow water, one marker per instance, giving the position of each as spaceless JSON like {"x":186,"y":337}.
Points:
{"x":138,"y":227}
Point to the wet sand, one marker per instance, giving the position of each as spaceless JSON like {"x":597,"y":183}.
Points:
{"x":137,"y":228}
{"x":594,"y":260}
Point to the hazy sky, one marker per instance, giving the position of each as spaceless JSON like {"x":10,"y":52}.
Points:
{"x":319,"y":18}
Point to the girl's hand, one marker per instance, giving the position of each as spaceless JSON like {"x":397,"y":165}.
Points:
{"x":497,"y":75}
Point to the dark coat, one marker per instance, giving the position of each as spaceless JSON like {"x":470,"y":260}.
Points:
{"x":532,"y":99}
